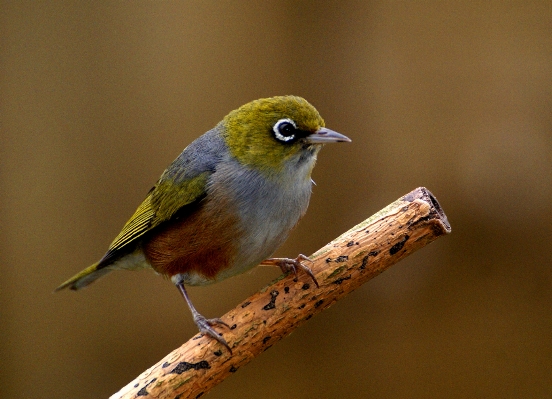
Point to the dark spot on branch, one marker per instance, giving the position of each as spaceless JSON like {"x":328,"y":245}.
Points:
{"x":143,"y":391}
{"x":272,"y":303}
{"x":308,"y":317}
{"x":286,"y":290}
{"x":320,"y":302}
{"x":136,"y":385}
{"x":266,"y":339}
{"x":350,"y":243}
{"x":328,"y":260}
{"x":342,"y":258}
{"x":166,"y":364}
{"x":366,"y":258}
{"x":398,"y":246}
{"x":305,"y":286}
{"x":217,"y":353}
{"x":342,"y":279}
{"x":233,"y":327}
{"x":199,"y":395}
{"x":302,"y":306}
{"x":233,"y":369}
{"x":185,"y":366}
{"x":245,"y":304}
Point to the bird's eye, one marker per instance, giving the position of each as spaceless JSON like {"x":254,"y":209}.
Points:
{"x":284,"y":130}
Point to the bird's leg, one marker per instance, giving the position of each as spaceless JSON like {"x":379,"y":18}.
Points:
{"x":291,"y":265}
{"x":205,"y":325}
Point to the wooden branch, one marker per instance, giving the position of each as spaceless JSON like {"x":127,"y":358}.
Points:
{"x":260,"y":321}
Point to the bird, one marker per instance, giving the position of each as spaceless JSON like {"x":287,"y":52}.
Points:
{"x":226,"y":203}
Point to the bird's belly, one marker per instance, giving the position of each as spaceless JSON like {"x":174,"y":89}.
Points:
{"x":204,"y":253}
{"x":197,"y":246}
{"x":227,"y":234}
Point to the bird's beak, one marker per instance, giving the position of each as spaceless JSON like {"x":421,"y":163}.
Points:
{"x":323,"y":136}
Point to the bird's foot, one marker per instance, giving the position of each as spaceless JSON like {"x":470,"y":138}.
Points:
{"x":292,"y":265}
{"x":206,"y":327}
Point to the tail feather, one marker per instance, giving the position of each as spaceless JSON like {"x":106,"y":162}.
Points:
{"x":84,"y":277}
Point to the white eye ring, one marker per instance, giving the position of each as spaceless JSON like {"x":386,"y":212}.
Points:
{"x":279,"y":135}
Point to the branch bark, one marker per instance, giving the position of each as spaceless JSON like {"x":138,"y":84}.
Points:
{"x":360,"y":254}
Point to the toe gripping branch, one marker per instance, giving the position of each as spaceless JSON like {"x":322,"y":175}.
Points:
{"x":205,"y":325}
{"x":292,"y":265}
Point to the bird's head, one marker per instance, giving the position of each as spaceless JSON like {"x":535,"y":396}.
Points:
{"x":271,"y":133}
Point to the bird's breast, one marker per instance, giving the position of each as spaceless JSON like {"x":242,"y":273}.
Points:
{"x":268,"y":208}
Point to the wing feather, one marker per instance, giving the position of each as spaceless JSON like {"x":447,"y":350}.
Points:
{"x":161,"y":204}
{"x":183,"y":183}
{"x":136,"y":226}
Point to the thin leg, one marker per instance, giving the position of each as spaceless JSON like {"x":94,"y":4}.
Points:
{"x":205,"y":325}
{"x":291,"y":265}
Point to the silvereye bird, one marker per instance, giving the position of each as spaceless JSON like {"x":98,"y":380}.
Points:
{"x":226,"y":203}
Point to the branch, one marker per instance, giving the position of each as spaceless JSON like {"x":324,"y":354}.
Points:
{"x":260,"y":321}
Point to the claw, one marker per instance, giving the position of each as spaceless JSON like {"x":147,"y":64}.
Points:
{"x":291,"y":265}
{"x":206,"y":327}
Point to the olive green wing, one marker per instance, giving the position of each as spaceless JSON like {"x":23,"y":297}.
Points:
{"x":182,"y":184}
{"x":160,"y":205}
{"x":162,"y":202}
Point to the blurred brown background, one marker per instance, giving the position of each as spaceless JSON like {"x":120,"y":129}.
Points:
{"x":97,"y":98}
